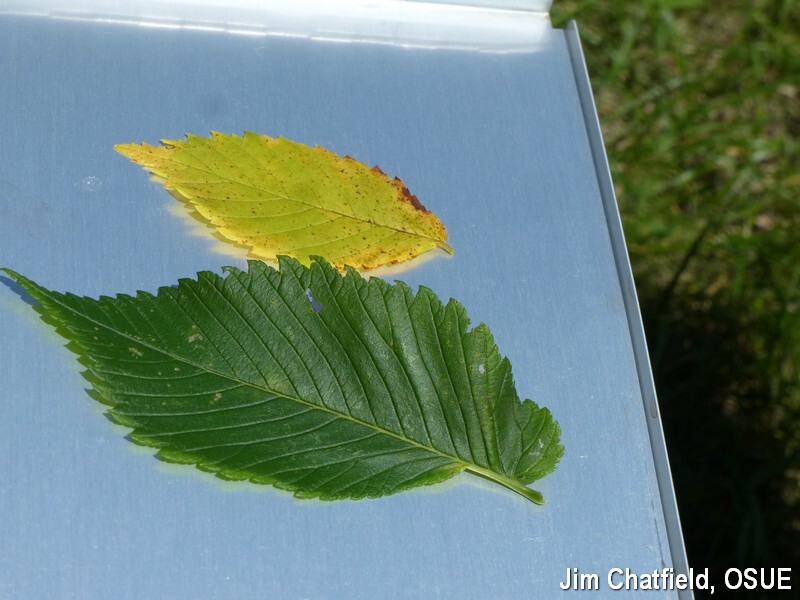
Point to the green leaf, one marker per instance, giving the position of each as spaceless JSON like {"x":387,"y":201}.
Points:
{"x":277,"y":197}
{"x":328,"y":385}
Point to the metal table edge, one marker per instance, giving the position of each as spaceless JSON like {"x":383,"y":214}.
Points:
{"x":630,"y":298}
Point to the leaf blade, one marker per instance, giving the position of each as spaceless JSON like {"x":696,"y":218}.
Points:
{"x":246,"y":377}
{"x":278,"y":197}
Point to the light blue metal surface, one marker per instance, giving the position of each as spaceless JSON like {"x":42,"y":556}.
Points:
{"x":486,"y":25}
{"x":495,"y":142}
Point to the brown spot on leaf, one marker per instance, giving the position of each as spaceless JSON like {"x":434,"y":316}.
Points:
{"x":371,"y":194}
{"x":409,"y":197}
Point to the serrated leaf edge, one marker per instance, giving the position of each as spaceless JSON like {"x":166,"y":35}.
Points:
{"x":44,"y":297}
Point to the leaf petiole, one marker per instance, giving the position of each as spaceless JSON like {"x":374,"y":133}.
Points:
{"x":516,"y":486}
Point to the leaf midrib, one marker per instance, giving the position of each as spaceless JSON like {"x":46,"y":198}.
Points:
{"x":251,"y":185}
{"x":508,"y":482}
{"x":260,"y":388}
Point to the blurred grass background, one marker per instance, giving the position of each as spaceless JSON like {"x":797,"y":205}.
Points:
{"x":700,"y":108}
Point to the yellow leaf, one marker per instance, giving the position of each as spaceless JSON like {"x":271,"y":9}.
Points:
{"x":278,"y":197}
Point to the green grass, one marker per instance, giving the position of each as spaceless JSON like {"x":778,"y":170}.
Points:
{"x":700,"y":107}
